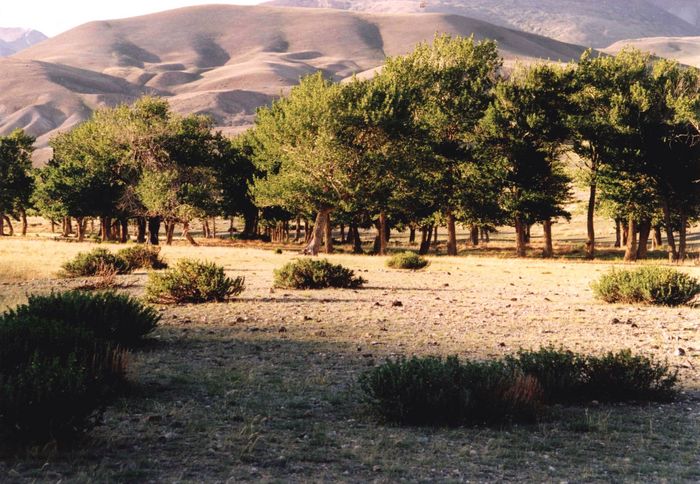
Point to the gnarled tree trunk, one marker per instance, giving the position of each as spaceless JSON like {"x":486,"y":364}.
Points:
{"x":548,"y":250}
{"x":317,"y":233}
{"x":631,"y":250}
{"x":669,"y":231}
{"x":451,"y":233}
{"x":642,"y":245}
{"x":186,"y":233}
{"x":153,"y":230}
{"x":23,"y":218}
{"x":474,"y":235}
{"x":328,"y":234}
{"x":520,"y":234}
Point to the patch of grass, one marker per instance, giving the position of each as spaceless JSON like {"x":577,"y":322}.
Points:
{"x":316,"y":274}
{"x":192,"y":281}
{"x":407,"y":260}
{"x":114,"y":317}
{"x":649,"y":285}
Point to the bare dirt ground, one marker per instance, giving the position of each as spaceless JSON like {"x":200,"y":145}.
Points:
{"x":263,"y":388}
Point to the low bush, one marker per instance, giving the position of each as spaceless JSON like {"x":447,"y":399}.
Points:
{"x":436,"y":391}
{"x":54,"y":379}
{"x":192,"y":281}
{"x":407,"y":260}
{"x":93,"y":263}
{"x":114,"y":317}
{"x":649,"y":285}
{"x":142,"y":257}
{"x":316,"y":274}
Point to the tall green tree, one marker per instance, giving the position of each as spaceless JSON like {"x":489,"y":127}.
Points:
{"x":16,"y":182}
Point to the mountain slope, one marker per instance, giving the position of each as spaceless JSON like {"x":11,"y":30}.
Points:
{"x":220,"y":60}
{"x":597,"y":23}
{"x":685,"y":50}
{"x":15,"y":40}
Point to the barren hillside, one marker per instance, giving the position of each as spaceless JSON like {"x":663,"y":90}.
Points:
{"x":221,"y":60}
{"x":14,"y":40}
{"x":586,"y":22}
{"x":683,"y":49}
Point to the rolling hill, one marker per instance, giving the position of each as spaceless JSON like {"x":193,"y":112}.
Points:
{"x":15,"y":40}
{"x":596,"y":23}
{"x":221,"y":60}
{"x":683,"y":49}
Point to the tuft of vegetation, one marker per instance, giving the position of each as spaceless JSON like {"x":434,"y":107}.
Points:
{"x":142,"y":257}
{"x":316,"y":274}
{"x":648,"y":285}
{"x":94,"y":263}
{"x":192,"y":281}
{"x":54,"y":379}
{"x":114,"y":317}
{"x":407,"y":260}
{"x":436,"y":391}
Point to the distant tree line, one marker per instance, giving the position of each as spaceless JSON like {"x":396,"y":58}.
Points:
{"x":440,"y":137}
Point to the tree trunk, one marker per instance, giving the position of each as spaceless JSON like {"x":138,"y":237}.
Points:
{"x":383,"y":239}
{"x":682,"y":237}
{"x":213,"y":227}
{"x":186,"y":233}
{"x":669,"y":231}
{"x":169,"y":232}
{"x":69,"y":226}
{"x":658,"y":240}
{"x":520,"y":245}
{"x":618,"y":233}
{"x":105,"y":228}
{"x":23,"y":218}
{"x":342,"y":233}
{"x":451,"y":234}
{"x":53,"y":226}
{"x":140,"y":230}
{"x":80,"y":222}
{"x":356,"y":240}
{"x":625,"y":232}
{"x":412,"y":234}
{"x":328,"y":234}
{"x":642,"y":245}
{"x":124,"y":222}
{"x":631,"y":251}
{"x":474,"y":235}
{"x":528,"y":228}
{"x":590,"y":215}
{"x":9,"y":225}
{"x":317,"y":233}
{"x":435,"y":235}
{"x":548,"y":251}
{"x":250,"y":221}
{"x":2,"y":225}
{"x":153,"y":230}
{"x":426,"y":233}
{"x":297,"y":236}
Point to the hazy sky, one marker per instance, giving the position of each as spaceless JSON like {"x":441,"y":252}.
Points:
{"x":55,"y":16}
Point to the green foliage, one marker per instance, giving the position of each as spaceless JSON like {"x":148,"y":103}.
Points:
{"x":436,"y":391}
{"x":648,"y":285}
{"x":16,"y":183}
{"x":142,"y":257}
{"x":54,"y":378}
{"x":192,"y":281}
{"x":316,"y":274}
{"x":88,"y":264}
{"x":567,"y":377}
{"x":118,"y":318}
{"x":407,"y":260}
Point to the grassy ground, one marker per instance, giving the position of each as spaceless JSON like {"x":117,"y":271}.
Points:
{"x":263,"y":388}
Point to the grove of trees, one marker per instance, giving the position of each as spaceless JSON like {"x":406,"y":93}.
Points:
{"x":443,"y":136}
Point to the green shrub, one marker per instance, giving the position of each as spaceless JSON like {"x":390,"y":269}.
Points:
{"x":616,"y":377}
{"x":192,"y":281}
{"x":95,"y":262}
{"x":115,"y":317}
{"x":142,"y":257}
{"x":649,"y":285}
{"x":436,"y":391}
{"x":316,"y":274}
{"x":54,"y":379}
{"x":407,"y":260}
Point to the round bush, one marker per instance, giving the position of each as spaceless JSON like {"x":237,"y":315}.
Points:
{"x":95,"y":262}
{"x":407,"y":260}
{"x":648,"y":285}
{"x":115,"y":317}
{"x":315,"y":274}
{"x":192,"y":281}
{"x":54,"y":379}
{"x":142,"y":257}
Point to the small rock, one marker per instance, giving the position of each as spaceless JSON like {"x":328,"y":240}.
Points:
{"x":282,"y":329}
{"x":502,"y":345}
{"x":680,"y":352}
{"x":307,"y":318}
{"x":397,"y":304}
{"x":376,"y":469}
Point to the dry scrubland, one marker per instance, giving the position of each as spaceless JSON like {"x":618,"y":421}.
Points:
{"x":264,"y":387}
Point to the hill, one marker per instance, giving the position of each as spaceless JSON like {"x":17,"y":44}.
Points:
{"x":596,"y":23}
{"x":15,"y":40}
{"x":683,"y":49}
{"x":220,"y":60}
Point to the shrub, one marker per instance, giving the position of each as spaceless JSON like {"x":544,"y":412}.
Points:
{"x":142,"y":257}
{"x":88,"y":264}
{"x":436,"y":391}
{"x":650,"y":285}
{"x":407,"y":260}
{"x":316,"y":274}
{"x":54,"y":379}
{"x":192,"y":281}
{"x":115,"y":317}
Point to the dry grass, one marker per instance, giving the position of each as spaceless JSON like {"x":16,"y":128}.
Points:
{"x":263,"y":388}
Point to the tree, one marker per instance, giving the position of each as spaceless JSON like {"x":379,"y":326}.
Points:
{"x":16,"y":182}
